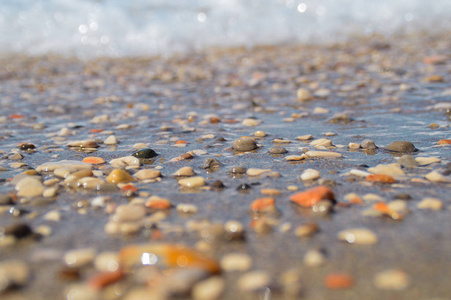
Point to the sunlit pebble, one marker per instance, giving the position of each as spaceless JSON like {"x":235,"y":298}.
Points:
{"x":354,"y":146}
{"x":304,"y":137}
{"x":106,"y":262}
{"x":329,"y":154}
{"x":393,"y":170}
{"x":13,"y":273}
{"x":192,"y":182}
{"x":320,"y":111}
{"x":209,"y":289}
{"x":53,"y":215}
{"x":373,"y":198}
{"x":303,"y":95}
{"x":127,"y":213}
{"x":111,"y":140}
{"x":253,"y":281}
{"x":43,"y":230}
{"x":392,"y":279}
{"x":306,"y":230}
{"x":251,"y":122}
{"x":256,"y":172}
{"x":314,"y":258}
{"x":295,"y":157}
{"x":79,"y":257}
{"x":430,"y":203}
{"x":360,"y":236}
{"x":232,"y":262}
{"x":187,"y":208}
{"x":310,"y":174}
{"x":435,"y":176}
{"x":424,"y":161}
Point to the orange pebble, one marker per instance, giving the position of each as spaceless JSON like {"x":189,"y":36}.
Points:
{"x":444,"y":142}
{"x":158,"y":203}
{"x":129,"y":187}
{"x":338,"y":281}
{"x":382,"y":207}
{"x":380,"y":178}
{"x":261,"y":204}
{"x":181,"y":142}
{"x":312,"y":196}
{"x":96,"y":130}
{"x":104,"y":279}
{"x":356,"y":200}
{"x":93,"y":160}
{"x":16,"y":116}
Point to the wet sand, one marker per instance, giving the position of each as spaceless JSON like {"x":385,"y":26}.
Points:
{"x":372,"y":88}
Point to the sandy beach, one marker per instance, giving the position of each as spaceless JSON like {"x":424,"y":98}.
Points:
{"x":277,"y":172}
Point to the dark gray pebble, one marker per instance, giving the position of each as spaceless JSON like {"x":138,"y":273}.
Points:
{"x":243,"y":187}
{"x":403,"y":197}
{"x":238,"y":170}
{"x":277,"y":150}
{"x":217,"y":184}
{"x":401,"y":146}
{"x":145,"y":153}
{"x":19,"y":231}
{"x":408,"y":161}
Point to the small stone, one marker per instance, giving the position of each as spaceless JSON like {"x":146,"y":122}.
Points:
{"x":147,"y":174}
{"x":244,"y":144}
{"x":321,"y":142}
{"x":320,"y":111}
{"x":145,"y":153}
{"x":354,"y":146}
{"x":126,"y":161}
{"x":295,"y":157}
{"x":278,"y":150}
{"x":238,"y":170}
{"x":435,"y":176}
{"x":129,"y":213}
{"x":90,"y":183}
{"x":361,"y":236}
{"x":408,"y":161}
{"x":306,"y":230}
{"x":401,"y":146}
{"x":211,"y":163}
{"x":119,"y":176}
{"x":340,"y":118}
{"x":310,"y":174}
{"x":192,"y":182}
{"x":424,"y":161}
{"x":263,"y":204}
{"x":368,"y":145}
{"x":314,"y":258}
{"x":67,"y":164}
{"x":430,"y":203}
{"x":271,"y":192}
{"x":30,"y":186}
{"x":303,"y":95}
{"x":234,"y":262}
{"x":393,"y":170}
{"x":13,"y":273}
{"x":209,"y":289}
{"x":53,"y":215}
{"x":217,"y":184}
{"x":256,"y":172}
{"x":304,"y":137}
{"x":185,"y":171}
{"x":337,"y":281}
{"x":391,"y":279}
{"x":158,"y":203}
{"x":260,"y":133}
{"x":251,"y":122}
{"x":79,"y":257}
{"x":234,"y":230}
{"x":253,"y":281}
{"x":83,"y":144}
{"x":19,"y":231}
{"x":330,"y":154}
{"x":111,"y":140}
{"x":26,"y":146}
{"x":16,"y":156}
{"x":93,"y":160}
{"x":312,"y":196}
{"x":187,"y":208}
{"x":107,"y":262}
{"x":382,"y":178}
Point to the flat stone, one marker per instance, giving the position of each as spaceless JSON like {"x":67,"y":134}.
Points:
{"x":192,"y":182}
{"x":321,"y":142}
{"x":251,"y":122}
{"x":127,"y":161}
{"x":295,"y":157}
{"x":128,"y":213}
{"x":393,"y":170}
{"x":361,"y":236}
{"x":305,"y":137}
{"x":79,"y":257}
{"x":401,"y":146}
{"x":186,"y":208}
{"x":233,"y":262}
{"x":424,"y":161}
{"x":354,"y":146}
{"x":435,"y":176}
{"x":256,"y":172}
{"x":253,"y":281}
{"x":430,"y":203}
{"x":185,"y":171}
{"x":277,"y":150}
{"x":83,"y":144}
{"x":392,"y":279}
{"x":68,"y":164}
{"x":244,"y":144}
{"x":310,"y":174}
{"x":147,"y":174}
{"x":312,"y":196}
{"x":30,"y":187}
{"x":330,"y":154}
{"x":145,"y":153}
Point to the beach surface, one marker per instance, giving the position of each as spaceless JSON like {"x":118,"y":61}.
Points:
{"x":86,"y":213}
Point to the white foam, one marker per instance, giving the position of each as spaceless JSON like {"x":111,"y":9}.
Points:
{"x":90,"y":28}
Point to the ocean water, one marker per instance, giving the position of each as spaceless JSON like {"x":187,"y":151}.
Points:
{"x":91,"y":28}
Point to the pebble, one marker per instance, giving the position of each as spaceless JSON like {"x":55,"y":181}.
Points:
{"x":145,"y":153}
{"x":107,"y":261}
{"x":323,"y":207}
{"x":393,"y":170}
{"x":359,"y":173}
{"x":237,"y":170}
{"x":408,"y":161}
{"x":155,"y":202}
{"x":83,"y":144}
{"x":424,"y":161}
{"x":13,"y":273}
{"x":304,"y":137}
{"x":256,"y":172}
{"x":435,"y":176}
{"x":111,"y":140}
{"x":358,"y":236}
{"x":65,"y":164}
{"x":185,"y":171}
{"x":147,"y":174}
{"x":368,"y":144}
{"x":320,"y":111}
{"x":236,"y":262}
{"x":19,"y":231}
{"x":260,"y":133}
{"x":79,"y":257}
{"x":90,"y":183}
{"x":295,"y":157}
{"x":192,"y":182}
{"x":323,"y":154}
{"x":234,"y":230}
{"x":382,"y":178}
{"x":30,"y":186}
{"x":93,"y":160}
{"x":211,"y":163}
{"x":277,"y":150}
{"x":310,"y":174}
{"x":303,"y":95}
{"x":252,"y":281}
{"x":401,"y":146}
{"x":312,"y":196}
{"x":217,"y":184}
{"x":337,"y":281}
{"x":16,"y":156}
{"x":209,"y":289}
{"x":314,"y":258}
{"x":251,"y":122}
{"x":186,"y":208}
{"x":129,"y":213}
{"x":392,"y":279}
{"x":306,"y":230}
{"x":6,"y":200}
{"x":354,"y":146}
{"x":263,"y":204}
{"x":430,"y":203}
{"x":127,"y":161}
{"x":53,"y":215}
{"x":270,"y":192}
{"x":119,"y":176}
{"x":244,"y":144}
{"x":321,"y":142}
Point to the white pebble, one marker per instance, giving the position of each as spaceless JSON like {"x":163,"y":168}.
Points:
{"x":79,"y":257}
{"x":391,"y":280}
{"x":430,"y":203}
{"x":236,"y":262}
{"x":360,"y":236}
{"x":111,"y":140}
{"x":310,"y":174}
{"x":253,"y":281}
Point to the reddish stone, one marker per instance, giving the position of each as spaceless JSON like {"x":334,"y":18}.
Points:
{"x":312,"y":196}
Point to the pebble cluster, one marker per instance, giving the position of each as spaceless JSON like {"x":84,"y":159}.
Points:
{"x":290,"y":172}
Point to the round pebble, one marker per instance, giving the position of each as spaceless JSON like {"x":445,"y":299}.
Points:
{"x":209,"y":289}
{"x":361,"y":236}
{"x":187,"y":208}
{"x":79,"y":257}
{"x":185,"y":171}
{"x":232,"y":262}
{"x":192,"y":182}
{"x":368,"y":145}
{"x":408,"y":161}
{"x":392,"y":279}
{"x":119,"y":176}
{"x":127,"y":213}
{"x":147,"y":174}
{"x":111,"y":140}
{"x":310,"y":174}
{"x":260,"y":133}
{"x":401,"y":146}
{"x":430,"y":203}
{"x":253,"y":281}
{"x":145,"y":153}
{"x":244,"y":144}
{"x":277,"y":150}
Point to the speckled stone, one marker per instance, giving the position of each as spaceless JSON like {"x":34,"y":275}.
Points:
{"x":401,"y":146}
{"x":277,"y":150}
{"x":244,"y":144}
{"x":145,"y":153}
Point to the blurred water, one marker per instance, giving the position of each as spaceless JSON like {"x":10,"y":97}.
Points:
{"x":90,"y":28}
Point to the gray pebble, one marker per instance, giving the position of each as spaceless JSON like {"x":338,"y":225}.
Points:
{"x":238,"y":170}
{"x":244,"y":144}
{"x":278,"y":150}
{"x":368,"y":144}
{"x":210,"y":163}
{"x":401,"y":146}
{"x":408,"y":161}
